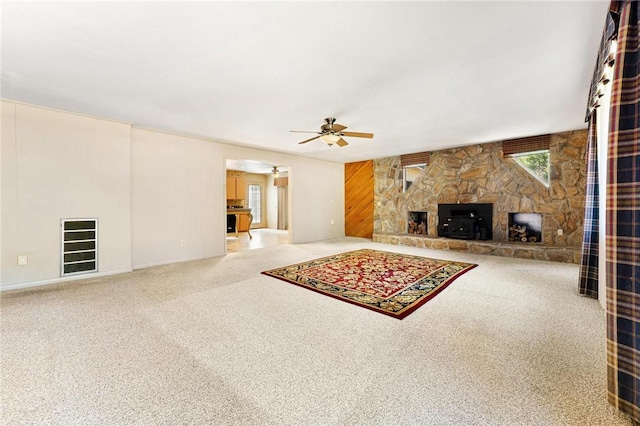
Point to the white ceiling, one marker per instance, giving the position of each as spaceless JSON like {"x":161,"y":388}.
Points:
{"x":252,"y":166}
{"x":422,"y":76}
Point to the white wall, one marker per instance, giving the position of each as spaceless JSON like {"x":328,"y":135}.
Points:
{"x":177,"y":190}
{"x":58,"y":165}
{"x":7,"y":181}
{"x":149,"y":190}
{"x":317,"y":193}
{"x":179,"y":193}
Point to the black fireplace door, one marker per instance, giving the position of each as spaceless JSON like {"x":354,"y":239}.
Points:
{"x":462,"y":227}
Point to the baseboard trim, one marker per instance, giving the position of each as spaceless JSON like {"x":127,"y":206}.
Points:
{"x":20,"y":286}
{"x":154,"y":264}
{"x":62,"y":280}
{"x":170,"y":262}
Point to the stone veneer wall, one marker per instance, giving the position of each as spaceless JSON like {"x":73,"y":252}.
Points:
{"x":480,"y":174}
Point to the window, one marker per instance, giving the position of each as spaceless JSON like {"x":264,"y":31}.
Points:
{"x":412,"y":166}
{"x":409,"y":174}
{"x":536,"y":163}
{"x":532,"y":154}
{"x":255,"y":202}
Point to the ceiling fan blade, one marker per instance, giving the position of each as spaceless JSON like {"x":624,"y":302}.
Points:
{"x":338,"y":127}
{"x":341,"y":142}
{"x":309,"y":140}
{"x":358,"y":135}
{"x":302,"y":131}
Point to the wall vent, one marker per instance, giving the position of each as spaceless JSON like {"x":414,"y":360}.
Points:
{"x":79,"y":246}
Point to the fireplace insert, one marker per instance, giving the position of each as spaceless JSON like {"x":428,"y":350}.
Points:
{"x":463,"y":227}
{"x":471,"y":221}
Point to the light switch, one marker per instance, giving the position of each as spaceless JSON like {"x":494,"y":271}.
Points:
{"x":23,"y":260}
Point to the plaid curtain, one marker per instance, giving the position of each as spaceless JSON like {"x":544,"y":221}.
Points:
{"x":604,"y":57}
{"x":623,"y":219}
{"x":589,"y":261}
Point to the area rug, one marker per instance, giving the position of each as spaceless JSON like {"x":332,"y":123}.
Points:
{"x":393,"y":284}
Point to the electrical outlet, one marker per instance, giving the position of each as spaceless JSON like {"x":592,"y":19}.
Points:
{"x":183,"y":243}
{"x":332,"y":221}
{"x":560,"y":231}
{"x":23,"y":260}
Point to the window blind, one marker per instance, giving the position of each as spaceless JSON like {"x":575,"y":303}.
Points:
{"x":531,"y":144}
{"x":414,"y":159}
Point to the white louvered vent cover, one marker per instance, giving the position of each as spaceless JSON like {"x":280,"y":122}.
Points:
{"x":79,"y":246}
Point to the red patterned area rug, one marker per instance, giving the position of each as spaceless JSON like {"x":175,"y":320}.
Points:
{"x":393,"y":284}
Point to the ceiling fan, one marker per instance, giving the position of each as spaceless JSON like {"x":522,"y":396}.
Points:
{"x":331,"y":133}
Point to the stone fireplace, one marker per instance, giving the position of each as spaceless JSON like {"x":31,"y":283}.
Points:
{"x":417,"y":223}
{"x":465,"y":221}
{"x":482,"y":174}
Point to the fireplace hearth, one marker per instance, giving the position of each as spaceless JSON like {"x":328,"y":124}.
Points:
{"x":469,"y":221}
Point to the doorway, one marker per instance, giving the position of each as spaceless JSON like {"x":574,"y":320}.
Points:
{"x":265,"y":191}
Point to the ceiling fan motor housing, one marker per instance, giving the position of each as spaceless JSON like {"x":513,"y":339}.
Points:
{"x":328,"y":127}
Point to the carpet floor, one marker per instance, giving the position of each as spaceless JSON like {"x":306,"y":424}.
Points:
{"x":215,"y":342}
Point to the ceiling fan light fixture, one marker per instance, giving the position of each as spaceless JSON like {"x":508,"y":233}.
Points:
{"x":330,"y":139}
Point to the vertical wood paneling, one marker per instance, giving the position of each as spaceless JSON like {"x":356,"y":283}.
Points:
{"x":358,"y":199}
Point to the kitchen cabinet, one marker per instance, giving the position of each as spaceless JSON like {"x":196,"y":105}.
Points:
{"x":236,"y":188}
